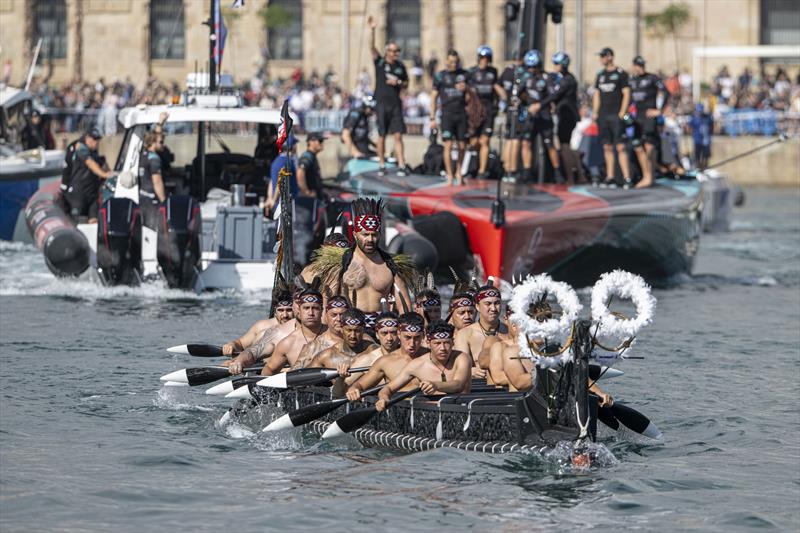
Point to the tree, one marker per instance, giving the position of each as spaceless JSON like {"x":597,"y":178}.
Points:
{"x":669,"y":22}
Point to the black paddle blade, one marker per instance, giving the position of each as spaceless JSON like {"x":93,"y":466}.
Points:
{"x":355,"y":419}
{"x":606,"y":416}
{"x":635,"y":421}
{"x":310,"y":413}
{"x":315,"y":376}
{"x":204,"y":375}
{"x":204,"y":350}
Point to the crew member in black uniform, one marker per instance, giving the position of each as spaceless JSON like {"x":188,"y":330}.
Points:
{"x":390,"y":78}
{"x":540,"y":120}
{"x":306,"y":232}
{"x":610,"y":105}
{"x":510,"y":80}
{"x":151,"y":181}
{"x":85,"y":175}
{"x":355,"y":131}
{"x":564,"y":95}
{"x":646,"y":88}
{"x":484,"y":79}
{"x":32,"y":134}
{"x":451,"y":86}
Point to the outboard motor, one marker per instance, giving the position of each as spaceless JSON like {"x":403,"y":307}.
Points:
{"x":179,"y":240}
{"x":119,"y":242}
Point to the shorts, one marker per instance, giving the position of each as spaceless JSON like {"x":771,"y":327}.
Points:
{"x":389,"y":119}
{"x":364,"y":147}
{"x":519,"y":129}
{"x":454,"y":126}
{"x":487,"y":126}
{"x":539,"y":126}
{"x":566,"y":124}
{"x":612,"y":130}
{"x":701,"y":152}
{"x":151,"y":215}
{"x":81,"y":204}
{"x":645,"y":131}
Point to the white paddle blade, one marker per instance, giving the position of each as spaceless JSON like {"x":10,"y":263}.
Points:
{"x":333,"y":432}
{"x":221,"y":390}
{"x":278,"y":381}
{"x":242,"y":393}
{"x":608,"y":373}
{"x":653,"y":432}
{"x":281,"y":424}
{"x":175,"y":384}
{"x":182,"y":349}
{"x":178,"y":376}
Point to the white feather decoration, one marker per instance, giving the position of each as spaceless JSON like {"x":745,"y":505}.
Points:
{"x":625,"y":285}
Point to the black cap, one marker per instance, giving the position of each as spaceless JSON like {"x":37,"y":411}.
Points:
{"x":638,"y":60}
{"x":315,"y":136}
{"x":94,"y":133}
{"x":606,"y":52}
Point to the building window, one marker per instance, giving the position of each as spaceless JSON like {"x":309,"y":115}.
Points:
{"x":402,"y":25}
{"x":285,"y":29}
{"x":167,"y":39}
{"x":50,"y":25}
{"x":780,"y":22}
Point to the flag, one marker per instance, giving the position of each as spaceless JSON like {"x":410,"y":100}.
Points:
{"x":221,"y":31}
{"x":286,"y":126}
{"x":237,"y":4}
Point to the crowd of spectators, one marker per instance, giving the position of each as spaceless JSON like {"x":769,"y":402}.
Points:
{"x":76,"y":104}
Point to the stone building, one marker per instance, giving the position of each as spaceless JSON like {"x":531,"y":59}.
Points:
{"x":90,"y":39}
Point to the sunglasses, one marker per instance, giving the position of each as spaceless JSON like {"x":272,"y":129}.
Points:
{"x":394,"y":50}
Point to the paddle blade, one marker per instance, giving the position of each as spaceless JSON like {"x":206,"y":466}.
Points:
{"x":242,"y":393}
{"x":280,"y":424}
{"x":350,"y":422}
{"x":205,"y":375}
{"x":302,"y":377}
{"x":597,"y":371}
{"x":312,"y":412}
{"x":229,"y":386}
{"x":277,"y":381}
{"x":197,"y":350}
{"x":635,"y":421}
{"x":175,"y":384}
{"x":606,"y":416}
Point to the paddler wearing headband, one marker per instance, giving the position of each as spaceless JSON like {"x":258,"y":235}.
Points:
{"x":443,"y":370}
{"x":462,"y":310}
{"x":428,"y":303}
{"x":335,"y":308}
{"x":311,"y":328}
{"x":284,"y":311}
{"x":364,"y":272}
{"x":471,"y":339}
{"x":410,"y":331}
{"x":386,"y":331}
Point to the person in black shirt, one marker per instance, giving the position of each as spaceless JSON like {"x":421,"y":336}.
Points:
{"x":510,"y":80}
{"x":85,"y":176}
{"x":564,"y":95}
{"x":355,"y":131}
{"x":390,"y":79}
{"x":151,"y":181}
{"x":306,"y":203}
{"x":33,"y":133}
{"x":484,"y":79}
{"x":536,"y":88}
{"x":610,"y":104}
{"x":645,"y":90}
{"x":451,"y":86}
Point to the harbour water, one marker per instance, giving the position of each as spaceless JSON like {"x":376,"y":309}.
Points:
{"x":89,"y":441}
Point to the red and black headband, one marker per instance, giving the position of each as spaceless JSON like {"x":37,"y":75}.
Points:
{"x":441,"y":334}
{"x":462,"y":301}
{"x":386,"y":323}
{"x":337,"y":302}
{"x":487,"y":292}
{"x":367,"y":223}
{"x":410,"y":328}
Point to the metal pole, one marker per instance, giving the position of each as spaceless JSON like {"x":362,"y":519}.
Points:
{"x":638,"y":29}
{"x":33,"y":64}
{"x":579,"y":40}
{"x":345,"y":75}
{"x":212,"y":41}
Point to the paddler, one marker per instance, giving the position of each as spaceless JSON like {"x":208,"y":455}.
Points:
{"x":335,"y":308}
{"x":410,"y":331}
{"x":287,"y":351}
{"x":364,"y":272}
{"x":428,"y":304}
{"x":386,"y":331}
{"x":342,"y":354}
{"x":284,"y":311}
{"x":462,"y":310}
{"x":442,"y":370}
{"x":471,"y":339}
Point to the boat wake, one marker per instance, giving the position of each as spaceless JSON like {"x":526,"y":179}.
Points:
{"x":170,"y":399}
{"x":24,"y":273}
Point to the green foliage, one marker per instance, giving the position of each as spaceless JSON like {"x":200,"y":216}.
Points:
{"x":669,"y":21}
{"x":274,"y":16}
{"x":231,"y":15}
